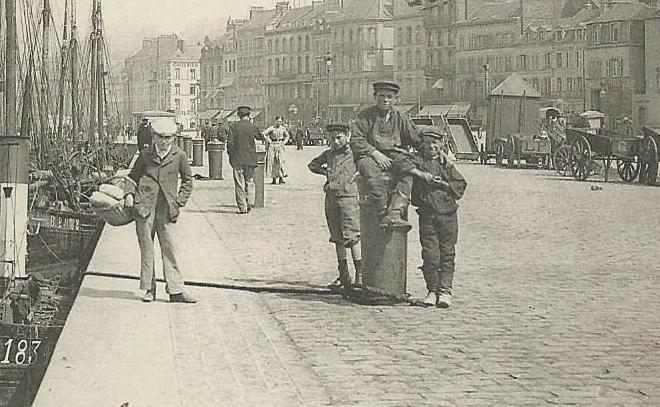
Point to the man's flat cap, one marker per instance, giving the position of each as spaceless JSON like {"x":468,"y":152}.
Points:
{"x":386,"y":86}
{"x":337,"y":127}
{"x":433,"y":134}
{"x":164,"y":126}
{"x":243,"y":109}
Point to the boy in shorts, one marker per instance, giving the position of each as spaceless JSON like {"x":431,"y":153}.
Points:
{"x":341,"y":202}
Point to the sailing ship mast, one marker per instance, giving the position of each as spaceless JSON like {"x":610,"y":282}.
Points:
{"x":65,"y":53}
{"x":93,"y":110}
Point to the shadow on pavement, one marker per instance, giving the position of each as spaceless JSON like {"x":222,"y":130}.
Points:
{"x":330,"y":299}
{"x":119,"y":294}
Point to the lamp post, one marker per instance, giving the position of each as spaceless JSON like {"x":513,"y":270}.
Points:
{"x":328,"y":64}
{"x":486,"y":81}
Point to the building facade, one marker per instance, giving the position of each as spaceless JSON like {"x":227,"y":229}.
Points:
{"x":616,"y":56}
{"x":163,"y":75}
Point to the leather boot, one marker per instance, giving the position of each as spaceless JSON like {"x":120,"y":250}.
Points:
{"x":395,"y":213}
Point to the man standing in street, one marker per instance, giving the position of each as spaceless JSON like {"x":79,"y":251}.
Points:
{"x":301,"y":135}
{"x":242,"y":153}
{"x":380,"y":140}
{"x":157,"y":199}
{"x":144,"y":134}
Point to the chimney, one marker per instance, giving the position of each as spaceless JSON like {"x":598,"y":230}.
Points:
{"x":254,"y":10}
{"x":180,"y":45}
{"x":281,"y":7}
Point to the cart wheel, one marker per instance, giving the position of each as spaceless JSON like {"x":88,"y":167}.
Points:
{"x":580,"y":159}
{"x":562,"y":159}
{"x":511,"y":157}
{"x":627,"y":169}
{"x":499,"y":152}
{"x":648,"y":161}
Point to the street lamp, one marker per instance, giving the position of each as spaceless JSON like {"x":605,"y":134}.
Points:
{"x":328,"y":65}
{"x":486,"y":81}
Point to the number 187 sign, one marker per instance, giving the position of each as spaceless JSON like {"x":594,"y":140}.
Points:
{"x":16,"y":351}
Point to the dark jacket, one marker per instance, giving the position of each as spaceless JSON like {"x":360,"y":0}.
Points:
{"x":372,"y":132}
{"x":153,"y":176}
{"x":241,"y":147}
{"x":430,"y":198}
{"x":143,"y":137}
{"x":339,"y":169}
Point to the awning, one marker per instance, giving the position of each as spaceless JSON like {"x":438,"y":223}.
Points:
{"x":214,"y":114}
{"x":234,"y":118}
{"x":206,"y":114}
{"x":457,"y":110}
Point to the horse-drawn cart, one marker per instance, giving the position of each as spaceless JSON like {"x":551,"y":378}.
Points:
{"x":586,"y":148}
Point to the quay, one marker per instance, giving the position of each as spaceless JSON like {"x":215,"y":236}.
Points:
{"x":555,"y":304}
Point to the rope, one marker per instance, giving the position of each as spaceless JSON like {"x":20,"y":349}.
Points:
{"x":366,"y":295}
{"x":206,"y":284}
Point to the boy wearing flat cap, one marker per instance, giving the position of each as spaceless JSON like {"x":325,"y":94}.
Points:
{"x":436,"y":188}
{"x":380,"y":141}
{"x":156,"y":204}
{"x":341,"y":201}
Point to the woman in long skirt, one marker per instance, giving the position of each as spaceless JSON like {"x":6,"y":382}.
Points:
{"x":276,"y":136}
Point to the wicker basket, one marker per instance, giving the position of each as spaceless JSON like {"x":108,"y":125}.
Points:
{"x":118,"y":214}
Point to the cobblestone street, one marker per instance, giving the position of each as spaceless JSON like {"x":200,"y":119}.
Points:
{"x":555,"y":304}
{"x":555,"y":296}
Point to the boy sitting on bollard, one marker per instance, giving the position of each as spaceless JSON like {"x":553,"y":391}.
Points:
{"x":341,"y":202}
{"x":437,"y":185}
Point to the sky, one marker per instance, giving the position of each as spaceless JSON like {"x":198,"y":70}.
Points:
{"x":128,"y":21}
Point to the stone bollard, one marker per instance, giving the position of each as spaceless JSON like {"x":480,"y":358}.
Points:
{"x":197,"y":152}
{"x":215,"y":159}
{"x":187,"y":145}
{"x":259,"y":177}
{"x":384,"y":251}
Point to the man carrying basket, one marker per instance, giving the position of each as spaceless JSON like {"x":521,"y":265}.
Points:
{"x":156,"y":203}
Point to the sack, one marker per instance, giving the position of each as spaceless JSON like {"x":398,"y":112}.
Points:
{"x":101,"y":200}
{"x":112,"y":191}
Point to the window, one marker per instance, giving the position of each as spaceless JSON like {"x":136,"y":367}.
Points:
{"x":177,"y":89}
{"x":399,"y":59}
{"x":277,"y":45}
{"x":596,"y":33}
{"x":614,"y":68}
{"x":192,"y":90}
{"x":522,"y":62}
{"x":292,"y":46}
{"x":399,"y":36}
{"x":408,"y":59}
{"x":559,"y":85}
{"x":408,"y":35}
{"x":270,"y":46}
{"x":569,"y":84}
{"x":307,"y":43}
{"x":418,"y":34}
{"x":614,"y":32}
{"x":177,"y":73}
{"x":579,"y":83}
{"x":284,"y":47}
{"x":193,"y":74}
{"x":418,"y":59}
{"x":546,"y":61}
{"x":307,"y":64}
{"x":560,"y":59}
{"x":270,"y":67}
{"x":578,"y":59}
{"x":177,"y":104}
